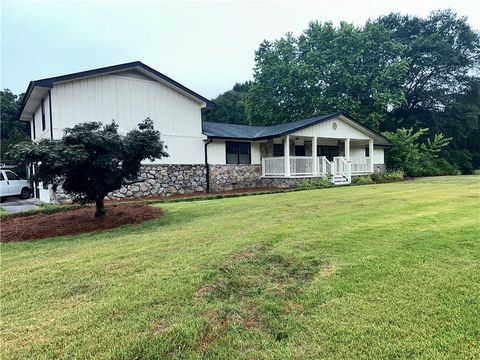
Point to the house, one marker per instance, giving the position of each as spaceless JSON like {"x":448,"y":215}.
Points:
{"x":204,"y":156}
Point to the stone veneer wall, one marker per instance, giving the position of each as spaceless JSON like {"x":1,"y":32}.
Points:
{"x":379,"y":168}
{"x":231,"y":177}
{"x":165,"y":180}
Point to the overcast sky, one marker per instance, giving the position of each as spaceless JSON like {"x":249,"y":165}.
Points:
{"x":207,"y":46}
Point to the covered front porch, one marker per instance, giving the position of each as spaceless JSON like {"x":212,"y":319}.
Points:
{"x":299,"y":157}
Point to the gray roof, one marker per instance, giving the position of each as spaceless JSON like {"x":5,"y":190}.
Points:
{"x":215,"y":130}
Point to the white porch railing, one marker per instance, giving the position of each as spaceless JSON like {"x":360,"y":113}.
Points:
{"x":301,"y":166}
{"x":342,"y":168}
{"x":273,"y":166}
{"x":324,"y":166}
{"x":304,"y":166}
{"x":360,"y":164}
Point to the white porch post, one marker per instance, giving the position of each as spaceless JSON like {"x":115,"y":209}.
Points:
{"x":286,"y":154}
{"x":347,"y":149}
{"x":370,"y":153}
{"x":314,"y":154}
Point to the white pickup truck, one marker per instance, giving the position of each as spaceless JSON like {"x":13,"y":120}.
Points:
{"x":12,"y":185}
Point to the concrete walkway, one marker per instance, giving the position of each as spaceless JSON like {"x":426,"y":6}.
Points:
{"x":15,"y":204}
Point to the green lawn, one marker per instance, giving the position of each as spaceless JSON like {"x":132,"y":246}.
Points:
{"x":378,"y":271}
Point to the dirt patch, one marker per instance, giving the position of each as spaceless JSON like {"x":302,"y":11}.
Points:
{"x":161,"y":326}
{"x":257,"y":271}
{"x":219,"y":320}
{"x":256,"y":288}
{"x":328,"y":270}
{"x":71,"y":222}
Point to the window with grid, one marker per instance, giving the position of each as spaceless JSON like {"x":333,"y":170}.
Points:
{"x":278,"y":150}
{"x":238,"y":152}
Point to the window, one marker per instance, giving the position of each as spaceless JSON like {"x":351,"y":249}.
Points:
{"x":328,"y":151}
{"x":1,"y":176}
{"x":238,"y":152}
{"x":33,"y":127}
{"x":42,"y":105}
{"x":278,"y":150}
{"x":367,"y":151}
{"x":299,"y":150}
{"x":11,"y":175}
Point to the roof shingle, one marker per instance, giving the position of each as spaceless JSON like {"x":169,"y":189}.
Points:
{"x":248,"y":132}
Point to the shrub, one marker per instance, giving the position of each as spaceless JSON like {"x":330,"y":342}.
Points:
{"x":362,"y":180}
{"x":418,"y":158}
{"x":316,"y":183}
{"x":376,"y":177}
{"x":394,"y":175}
{"x":389,"y":176}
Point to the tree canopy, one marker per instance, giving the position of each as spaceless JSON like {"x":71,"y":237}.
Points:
{"x":397,"y":71}
{"x":231,"y":105}
{"x":11,"y":130}
{"x":92,"y":159}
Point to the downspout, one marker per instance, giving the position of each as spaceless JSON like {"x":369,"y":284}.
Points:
{"x":207,"y":166}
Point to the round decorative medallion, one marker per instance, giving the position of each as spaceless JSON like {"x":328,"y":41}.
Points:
{"x":334,"y":126}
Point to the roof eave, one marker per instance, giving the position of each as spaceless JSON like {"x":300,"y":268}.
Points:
{"x":387,"y":143}
{"x":49,"y":82}
{"x":30,"y":88}
{"x":213,"y":137}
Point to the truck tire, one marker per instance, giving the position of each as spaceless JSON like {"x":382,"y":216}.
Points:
{"x":25,"y":194}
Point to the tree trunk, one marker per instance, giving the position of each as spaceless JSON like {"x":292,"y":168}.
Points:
{"x":100,"y":208}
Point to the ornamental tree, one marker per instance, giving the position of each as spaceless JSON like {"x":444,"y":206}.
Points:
{"x":92,"y":159}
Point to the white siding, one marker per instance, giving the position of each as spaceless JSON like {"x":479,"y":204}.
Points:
{"x":217,"y":153}
{"x":378,"y":155}
{"x":256,"y":153}
{"x":39,"y":132}
{"x":357,"y":150}
{"x":325,"y":130}
{"x":129,"y":100}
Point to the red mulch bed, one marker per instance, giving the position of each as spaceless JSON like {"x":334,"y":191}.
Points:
{"x":71,"y":222}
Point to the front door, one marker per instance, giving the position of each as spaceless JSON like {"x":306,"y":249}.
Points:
{"x":299,"y":150}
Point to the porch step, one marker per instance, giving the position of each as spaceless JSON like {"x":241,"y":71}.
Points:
{"x":340,"y":180}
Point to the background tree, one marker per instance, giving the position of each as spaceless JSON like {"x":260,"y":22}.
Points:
{"x":353,"y":69}
{"x":92,"y":159}
{"x":12,"y":131}
{"x":442,"y":84}
{"x":231,"y":105}
{"x":460,"y":120}
{"x":397,"y":71}
{"x":443,"y":53}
